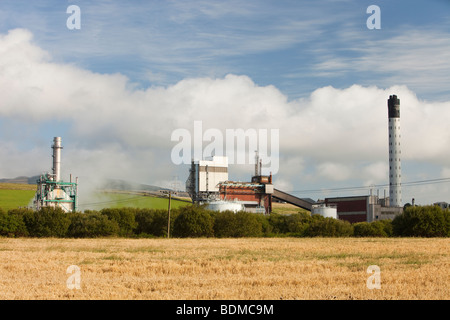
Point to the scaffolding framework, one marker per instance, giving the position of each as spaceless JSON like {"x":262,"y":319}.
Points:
{"x":52,"y":193}
{"x":51,"y":190}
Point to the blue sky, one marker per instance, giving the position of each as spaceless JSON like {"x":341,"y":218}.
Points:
{"x":289,"y":51}
{"x":297,"y":46}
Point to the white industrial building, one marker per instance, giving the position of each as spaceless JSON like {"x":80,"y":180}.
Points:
{"x":204,"y":177}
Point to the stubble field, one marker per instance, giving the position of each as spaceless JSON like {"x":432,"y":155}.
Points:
{"x":244,"y":269}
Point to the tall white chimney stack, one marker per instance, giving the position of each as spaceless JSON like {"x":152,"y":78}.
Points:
{"x":57,"y":158}
{"x":395,"y":175}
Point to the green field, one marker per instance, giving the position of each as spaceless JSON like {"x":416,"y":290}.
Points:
{"x":120,"y":200}
{"x":13,"y":195}
{"x":11,"y":199}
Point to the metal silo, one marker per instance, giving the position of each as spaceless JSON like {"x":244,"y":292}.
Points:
{"x":327,"y":211}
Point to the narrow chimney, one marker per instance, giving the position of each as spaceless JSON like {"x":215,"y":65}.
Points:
{"x":395,"y":180}
{"x":57,"y":158}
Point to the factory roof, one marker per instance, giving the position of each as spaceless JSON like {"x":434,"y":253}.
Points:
{"x":240,"y":184}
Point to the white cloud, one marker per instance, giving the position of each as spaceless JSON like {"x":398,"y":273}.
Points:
{"x":334,"y":171}
{"x":375,"y":173}
{"x":445,"y":172}
{"x":414,"y":57}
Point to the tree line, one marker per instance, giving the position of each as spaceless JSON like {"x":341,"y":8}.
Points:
{"x":196,"y":221}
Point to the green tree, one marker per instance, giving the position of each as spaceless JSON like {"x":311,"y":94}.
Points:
{"x":47,"y":222}
{"x":265,"y":224}
{"x":225,"y":224}
{"x":125,"y":218}
{"x":247,"y":225}
{"x":91,"y":225}
{"x":328,"y":227}
{"x":278,"y":223}
{"x":144,"y":219}
{"x":193,"y":221}
{"x":297,"y":224}
{"x":153,"y":222}
{"x":387,"y":226}
{"x":370,"y":229}
{"x":422,"y":221}
{"x":12,"y":225}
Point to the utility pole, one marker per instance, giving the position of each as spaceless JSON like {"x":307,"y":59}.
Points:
{"x":168,"y":218}
{"x":169,"y":192}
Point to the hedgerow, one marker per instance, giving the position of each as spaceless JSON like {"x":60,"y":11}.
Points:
{"x":196,"y":221}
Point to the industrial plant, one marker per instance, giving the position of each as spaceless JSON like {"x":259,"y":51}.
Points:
{"x":52,"y":191}
{"x":371,"y":207}
{"x":208,"y":183}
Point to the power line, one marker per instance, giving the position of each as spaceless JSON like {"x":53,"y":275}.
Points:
{"x":432,"y":181}
{"x":110,"y":201}
{"x":328,"y":190}
{"x":357,"y":188}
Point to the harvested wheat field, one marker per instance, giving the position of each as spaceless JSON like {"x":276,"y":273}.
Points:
{"x":247,"y":269}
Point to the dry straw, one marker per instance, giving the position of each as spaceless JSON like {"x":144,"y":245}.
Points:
{"x":248,"y":269}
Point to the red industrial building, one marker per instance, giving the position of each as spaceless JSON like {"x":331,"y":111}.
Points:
{"x":208,"y":181}
{"x":255,"y":196}
{"x":352,"y":209}
{"x":364,"y":208}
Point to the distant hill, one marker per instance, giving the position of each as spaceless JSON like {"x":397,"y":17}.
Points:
{"x":122,"y":185}
{"x":21,"y":180}
{"x":114,"y":184}
{"x":110,"y":184}
{"x":117,"y":184}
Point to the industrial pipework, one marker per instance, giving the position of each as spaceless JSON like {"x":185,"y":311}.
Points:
{"x":52,"y":191}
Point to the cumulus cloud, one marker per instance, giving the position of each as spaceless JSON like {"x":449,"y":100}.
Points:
{"x":113,"y":129}
{"x":401,"y":56}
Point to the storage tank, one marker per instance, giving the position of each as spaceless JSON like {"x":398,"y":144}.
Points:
{"x":221,"y":205}
{"x":325,"y":211}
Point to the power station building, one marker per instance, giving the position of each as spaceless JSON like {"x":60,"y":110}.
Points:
{"x":368,"y":207}
{"x":208,"y":183}
{"x":256,"y":196}
{"x":208,"y":180}
{"x":365,"y":208}
{"x":204,"y":177}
